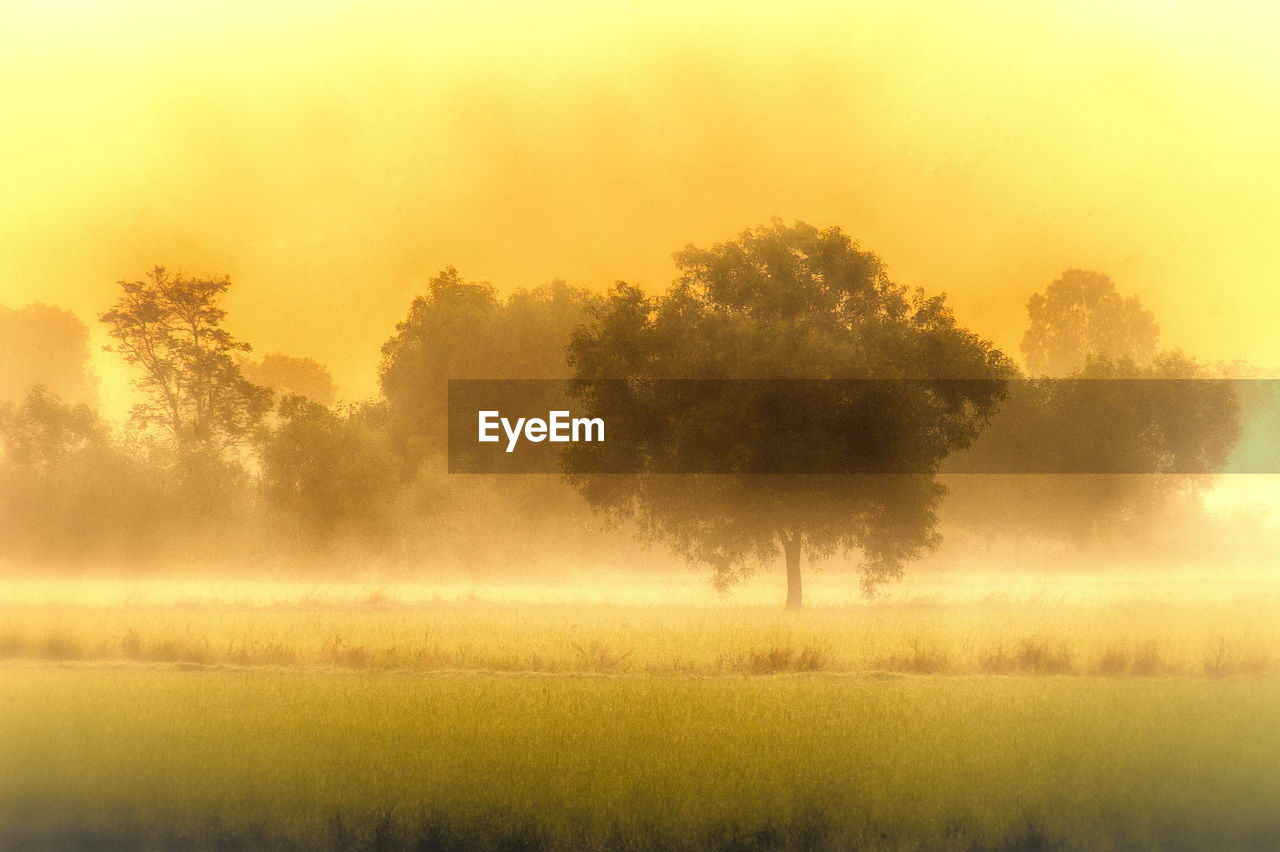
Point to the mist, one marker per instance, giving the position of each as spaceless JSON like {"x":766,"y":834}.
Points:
{"x":933,"y":500}
{"x":353,"y":156}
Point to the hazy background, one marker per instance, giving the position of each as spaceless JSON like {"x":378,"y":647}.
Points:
{"x":332,"y":157}
{"x":238,"y":621}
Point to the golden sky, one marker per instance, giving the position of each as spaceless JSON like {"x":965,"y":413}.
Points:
{"x":332,"y":157}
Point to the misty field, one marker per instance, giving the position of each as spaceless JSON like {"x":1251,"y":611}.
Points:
{"x":916,"y":636}
{"x":382,"y":724}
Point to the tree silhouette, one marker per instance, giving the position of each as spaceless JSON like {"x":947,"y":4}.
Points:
{"x":464,"y":330}
{"x":47,"y":346}
{"x":170,"y":328}
{"x":326,"y":469}
{"x":68,"y":491}
{"x":290,"y":376}
{"x":792,"y":303}
{"x":1081,"y":315}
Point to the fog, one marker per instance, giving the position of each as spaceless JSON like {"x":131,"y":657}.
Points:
{"x":931,"y":498}
{"x":332,"y":162}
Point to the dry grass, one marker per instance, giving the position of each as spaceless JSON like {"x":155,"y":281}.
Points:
{"x":383,"y":724}
{"x":1133,"y":639}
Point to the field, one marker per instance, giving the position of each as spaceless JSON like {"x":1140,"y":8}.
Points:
{"x":383,"y":721}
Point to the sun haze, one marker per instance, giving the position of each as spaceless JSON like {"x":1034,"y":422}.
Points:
{"x":331,"y":157}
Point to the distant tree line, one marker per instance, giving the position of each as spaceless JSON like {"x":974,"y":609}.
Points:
{"x":230,"y":458}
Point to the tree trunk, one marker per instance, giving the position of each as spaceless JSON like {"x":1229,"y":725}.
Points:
{"x":791,"y":547}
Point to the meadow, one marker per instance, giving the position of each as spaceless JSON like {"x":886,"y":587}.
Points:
{"x":380,"y":722}
{"x":1134,"y":637}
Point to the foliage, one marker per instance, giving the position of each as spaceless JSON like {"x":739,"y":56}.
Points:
{"x":465,"y":330}
{"x":1121,"y":446}
{"x":68,"y":491}
{"x":290,"y":376}
{"x":170,"y":328}
{"x":46,"y":346}
{"x":44,"y":430}
{"x":1081,"y":315}
{"x":326,"y":468}
{"x":781,"y":303}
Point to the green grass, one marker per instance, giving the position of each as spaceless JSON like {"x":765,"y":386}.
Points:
{"x":153,"y":756}
{"x":381,"y":724}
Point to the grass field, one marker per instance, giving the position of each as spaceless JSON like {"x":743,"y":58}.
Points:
{"x":379,"y":724}
{"x":1133,"y":637}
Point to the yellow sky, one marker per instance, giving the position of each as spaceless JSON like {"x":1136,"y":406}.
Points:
{"x":332,"y":157}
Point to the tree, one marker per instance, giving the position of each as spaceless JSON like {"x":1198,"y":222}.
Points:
{"x":46,"y":346}
{"x":780,"y":303}
{"x":465,"y":330}
{"x":1107,"y":451}
{"x":68,"y":491}
{"x":44,"y":430}
{"x":1081,"y":315}
{"x":1124,"y":406}
{"x":290,"y":376}
{"x":170,"y":328}
{"x":326,"y":469}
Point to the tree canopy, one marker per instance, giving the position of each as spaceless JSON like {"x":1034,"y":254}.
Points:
{"x":290,"y":376}
{"x":47,"y":346}
{"x":464,"y":330}
{"x":170,"y":328}
{"x":326,"y":469}
{"x":68,"y":491}
{"x":1082,"y":315}
{"x":1115,"y":405}
{"x":782,"y":302}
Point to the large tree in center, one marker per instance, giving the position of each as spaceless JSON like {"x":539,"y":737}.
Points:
{"x":792,"y":303}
